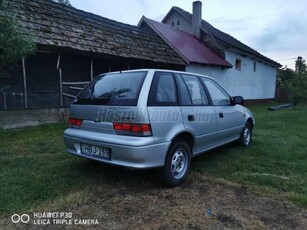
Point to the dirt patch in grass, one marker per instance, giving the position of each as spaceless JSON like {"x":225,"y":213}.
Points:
{"x":198,"y":204}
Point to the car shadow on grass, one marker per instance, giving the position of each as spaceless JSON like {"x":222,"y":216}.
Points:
{"x":97,"y":173}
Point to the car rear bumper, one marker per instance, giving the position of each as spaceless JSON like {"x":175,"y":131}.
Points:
{"x":126,"y":154}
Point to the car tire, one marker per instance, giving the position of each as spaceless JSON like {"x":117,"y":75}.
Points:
{"x":246,"y":135}
{"x":177,"y":164}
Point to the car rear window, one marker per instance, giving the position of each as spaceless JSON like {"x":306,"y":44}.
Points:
{"x":113,"y":89}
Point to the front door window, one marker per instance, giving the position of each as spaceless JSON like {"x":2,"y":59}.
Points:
{"x":218,"y":94}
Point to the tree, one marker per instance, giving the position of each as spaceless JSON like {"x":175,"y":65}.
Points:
{"x":14,"y":43}
{"x":284,"y":75}
{"x":300,"y":65}
{"x":296,"y":82}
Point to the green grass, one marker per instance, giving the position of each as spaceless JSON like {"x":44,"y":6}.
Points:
{"x":276,"y":162}
{"x":34,"y":168}
{"x":37,"y":173}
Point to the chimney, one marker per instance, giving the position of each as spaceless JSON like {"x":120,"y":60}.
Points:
{"x":196,"y":19}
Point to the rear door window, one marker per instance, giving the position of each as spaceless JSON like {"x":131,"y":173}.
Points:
{"x":113,"y":89}
{"x":196,"y":90}
{"x":185,"y":98}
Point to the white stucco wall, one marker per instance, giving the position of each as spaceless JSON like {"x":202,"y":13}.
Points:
{"x":245,"y":82}
{"x":184,"y":24}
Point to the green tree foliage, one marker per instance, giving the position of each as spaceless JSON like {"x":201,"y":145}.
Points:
{"x":295,"y":81}
{"x":300,"y":65}
{"x":284,"y":75}
{"x":14,"y":42}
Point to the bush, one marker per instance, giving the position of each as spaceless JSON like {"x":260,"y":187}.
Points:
{"x":295,"y":81}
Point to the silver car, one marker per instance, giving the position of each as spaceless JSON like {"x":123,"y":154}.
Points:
{"x":155,"y":119}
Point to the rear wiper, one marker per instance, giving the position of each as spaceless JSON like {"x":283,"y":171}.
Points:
{"x":114,"y":93}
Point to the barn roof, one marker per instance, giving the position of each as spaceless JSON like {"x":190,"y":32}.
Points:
{"x":57,"y":25}
{"x":221,"y":37}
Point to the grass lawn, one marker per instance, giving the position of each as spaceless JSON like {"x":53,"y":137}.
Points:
{"x":276,"y":162}
{"x":37,"y":173}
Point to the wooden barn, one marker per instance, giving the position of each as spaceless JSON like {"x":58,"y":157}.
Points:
{"x":73,"y":47}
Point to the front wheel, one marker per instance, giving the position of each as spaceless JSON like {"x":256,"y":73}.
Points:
{"x":246,"y":135}
{"x":177,"y":164}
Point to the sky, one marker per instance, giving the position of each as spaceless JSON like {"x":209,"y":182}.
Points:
{"x":275,"y":28}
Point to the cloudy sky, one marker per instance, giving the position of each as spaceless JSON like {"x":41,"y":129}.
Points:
{"x":275,"y":28}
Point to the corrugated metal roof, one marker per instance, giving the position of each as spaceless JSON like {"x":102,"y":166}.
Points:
{"x":223,"y":38}
{"x":189,"y":47}
{"x":57,"y":25}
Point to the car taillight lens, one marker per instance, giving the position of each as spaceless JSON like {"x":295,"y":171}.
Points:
{"x":140,"y":130}
{"x":74,"y":122}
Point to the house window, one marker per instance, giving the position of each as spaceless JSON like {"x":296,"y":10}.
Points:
{"x":172,"y":23}
{"x":178,"y":23}
{"x":238,"y":64}
{"x":255,"y":66}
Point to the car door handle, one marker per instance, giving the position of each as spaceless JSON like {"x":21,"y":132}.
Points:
{"x":191,"y":117}
{"x":221,"y":115}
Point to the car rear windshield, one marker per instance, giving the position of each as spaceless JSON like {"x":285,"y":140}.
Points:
{"x":113,"y":89}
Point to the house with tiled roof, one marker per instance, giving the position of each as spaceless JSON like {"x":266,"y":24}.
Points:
{"x":207,"y":50}
{"x":73,"y":47}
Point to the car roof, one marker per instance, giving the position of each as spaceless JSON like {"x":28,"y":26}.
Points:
{"x":164,"y":70}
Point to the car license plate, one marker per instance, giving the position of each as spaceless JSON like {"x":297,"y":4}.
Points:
{"x":102,"y":152}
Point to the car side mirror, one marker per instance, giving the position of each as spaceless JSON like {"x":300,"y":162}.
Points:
{"x":237,"y":100}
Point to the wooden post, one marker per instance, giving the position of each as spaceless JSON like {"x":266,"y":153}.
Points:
{"x":58,"y":62}
{"x":92,"y":69}
{"x":4,"y":99}
{"x":61,"y":87}
{"x":60,"y":78}
{"x":25,"y":81}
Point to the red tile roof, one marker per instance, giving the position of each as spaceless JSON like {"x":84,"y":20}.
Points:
{"x":186,"y":45}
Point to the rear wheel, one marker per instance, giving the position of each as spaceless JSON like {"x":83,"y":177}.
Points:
{"x":246,"y":135}
{"x":177,"y":164}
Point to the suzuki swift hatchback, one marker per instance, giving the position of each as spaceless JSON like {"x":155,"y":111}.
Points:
{"x":155,"y":119}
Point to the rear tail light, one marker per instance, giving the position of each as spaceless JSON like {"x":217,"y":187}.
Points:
{"x":140,"y":130}
{"x":74,"y":122}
